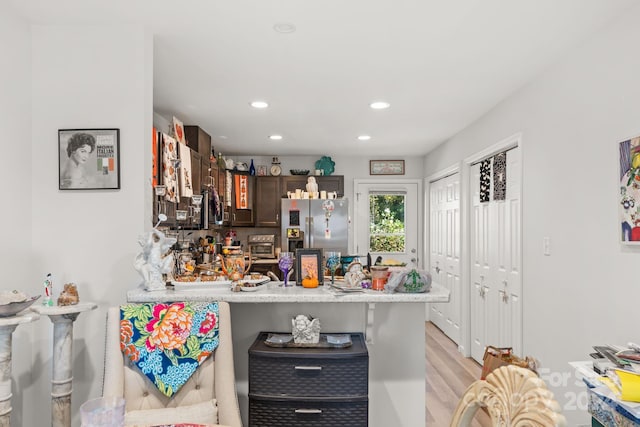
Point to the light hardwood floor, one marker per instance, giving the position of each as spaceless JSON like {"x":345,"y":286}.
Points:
{"x":448,"y":376}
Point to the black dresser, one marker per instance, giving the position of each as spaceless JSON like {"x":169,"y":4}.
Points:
{"x":308,"y":387}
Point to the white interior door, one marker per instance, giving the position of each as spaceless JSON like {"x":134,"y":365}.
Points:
{"x":496,"y":259}
{"x":409,"y":192}
{"x":444,"y":256}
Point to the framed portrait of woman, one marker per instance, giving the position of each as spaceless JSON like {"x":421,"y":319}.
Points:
{"x":89,"y":159}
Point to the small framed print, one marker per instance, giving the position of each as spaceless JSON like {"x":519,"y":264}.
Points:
{"x":89,"y":159}
{"x":178,"y":131}
{"x":386,"y":167}
{"x":309,"y":264}
{"x":293,"y":233}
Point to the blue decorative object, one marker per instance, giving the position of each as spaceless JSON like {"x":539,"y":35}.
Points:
{"x":326,"y":164}
{"x":252,"y":168}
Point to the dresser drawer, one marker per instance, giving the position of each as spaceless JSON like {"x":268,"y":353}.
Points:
{"x":307,"y":413}
{"x":309,"y":372}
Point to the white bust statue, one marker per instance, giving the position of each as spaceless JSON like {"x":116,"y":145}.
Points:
{"x":312,"y":186}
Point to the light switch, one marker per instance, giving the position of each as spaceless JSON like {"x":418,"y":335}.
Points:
{"x":546,"y":246}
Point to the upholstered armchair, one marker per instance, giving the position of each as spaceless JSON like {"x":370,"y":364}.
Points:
{"x":208,"y":397}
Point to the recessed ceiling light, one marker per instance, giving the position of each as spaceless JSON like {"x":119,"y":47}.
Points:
{"x":259,"y":104}
{"x":284,"y":27}
{"x":379,"y":105}
{"x":275,"y":137}
{"x":222,"y":136}
{"x":364,"y":137}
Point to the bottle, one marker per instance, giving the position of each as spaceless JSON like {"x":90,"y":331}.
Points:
{"x":252,"y":169}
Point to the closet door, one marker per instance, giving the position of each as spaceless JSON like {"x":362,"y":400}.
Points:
{"x":481,"y":268}
{"x":495,"y":253}
{"x":445,"y":252}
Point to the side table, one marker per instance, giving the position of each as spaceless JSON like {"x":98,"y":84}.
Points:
{"x":7,"y":326}
{"x":62,"y":318}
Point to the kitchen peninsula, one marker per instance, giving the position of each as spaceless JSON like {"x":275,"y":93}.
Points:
{"x":393,"y":325}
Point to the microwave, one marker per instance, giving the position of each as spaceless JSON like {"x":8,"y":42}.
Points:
{"x":262,"y":245}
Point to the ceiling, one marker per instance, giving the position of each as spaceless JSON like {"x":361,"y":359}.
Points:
{"x":441,"y":64}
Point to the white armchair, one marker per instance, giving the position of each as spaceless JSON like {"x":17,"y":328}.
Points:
{"x":208,"y":397}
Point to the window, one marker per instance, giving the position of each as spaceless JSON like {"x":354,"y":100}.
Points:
{"x":387,"y":222}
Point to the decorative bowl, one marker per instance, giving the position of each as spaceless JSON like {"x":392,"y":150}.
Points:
{"x":13,"y":308}
{"x":299,"y":171}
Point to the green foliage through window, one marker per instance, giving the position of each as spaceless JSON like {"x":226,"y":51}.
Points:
{"x":386,"y":227}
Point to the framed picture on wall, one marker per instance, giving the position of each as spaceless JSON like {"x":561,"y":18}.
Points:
{"x":629,"y":198}
{"x":386,"y":167}
{"x":89,"y":159}
{"x":309,"y":264}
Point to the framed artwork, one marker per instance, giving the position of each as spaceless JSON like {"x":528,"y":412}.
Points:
{"x":629,"y":199}
{"x":170,"y":168}
{"x":386,"y":167}
{"x":309,"y":264}
{"x":89,"y":159}
{"x":178,"y":131}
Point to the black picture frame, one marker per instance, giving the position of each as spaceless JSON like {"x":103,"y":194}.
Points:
{"x":89,"y":159}
{"x":306,"y":259}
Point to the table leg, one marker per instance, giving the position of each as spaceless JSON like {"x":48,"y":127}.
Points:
{"x":5,"y":375}
{"x":61,"y":382}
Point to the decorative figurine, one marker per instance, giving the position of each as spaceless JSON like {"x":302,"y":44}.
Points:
{"x":312,"y":187}
{"x":154,"y":261}
{"x":48,"y":291}
{"x":69,"y":295}
{"x":305,"y":329}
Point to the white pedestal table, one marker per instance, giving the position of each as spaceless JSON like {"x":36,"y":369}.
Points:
{"x":62,"y":318}
{"x":7,"y":326}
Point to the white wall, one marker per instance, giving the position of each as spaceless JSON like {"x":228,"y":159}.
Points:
{"x":86,"y":77}
{"x":15,"y":173}
{"x":572,"y":117}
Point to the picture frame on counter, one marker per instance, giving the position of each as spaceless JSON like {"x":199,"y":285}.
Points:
{"x":89,"y":159}
{"x":309,"y":262}
{"x":386,"y":167}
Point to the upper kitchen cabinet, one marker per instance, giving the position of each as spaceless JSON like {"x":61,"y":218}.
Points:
{"x":326,"y":183}
{"x":198,"y":140}
{"x":242,"y":200}
{"x":268,"y":197}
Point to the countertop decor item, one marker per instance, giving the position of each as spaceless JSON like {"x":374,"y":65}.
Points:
{"x":299,"y":171}
{"x":326,"y":165}
{"x":13,"y":308}
{"x":305,"y":329}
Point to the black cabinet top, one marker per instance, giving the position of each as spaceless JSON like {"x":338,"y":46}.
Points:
{"x":358,"y":348}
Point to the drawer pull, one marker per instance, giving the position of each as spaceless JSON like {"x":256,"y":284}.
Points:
{"x":308,"y":368}
{"x":308,"y":411}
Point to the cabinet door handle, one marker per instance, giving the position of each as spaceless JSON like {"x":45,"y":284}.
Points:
{"x":308,"y":411}
{"x":308,"y":368}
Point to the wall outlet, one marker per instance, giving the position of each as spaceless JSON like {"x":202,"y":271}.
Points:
{"x":546,"y":246}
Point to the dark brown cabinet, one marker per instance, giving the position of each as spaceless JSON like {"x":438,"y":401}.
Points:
{"x":326,"y":183}
{"x":267,"y":201}
{"x":198,"y":140}
{"x":242,"y":200}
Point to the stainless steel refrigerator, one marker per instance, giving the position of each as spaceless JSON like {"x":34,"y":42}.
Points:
{"x":315,"y":223}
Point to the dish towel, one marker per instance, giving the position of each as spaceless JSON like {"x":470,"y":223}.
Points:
{"x":169,"y":341}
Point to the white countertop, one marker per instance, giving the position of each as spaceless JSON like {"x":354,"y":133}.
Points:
{"x":272,"y":292}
